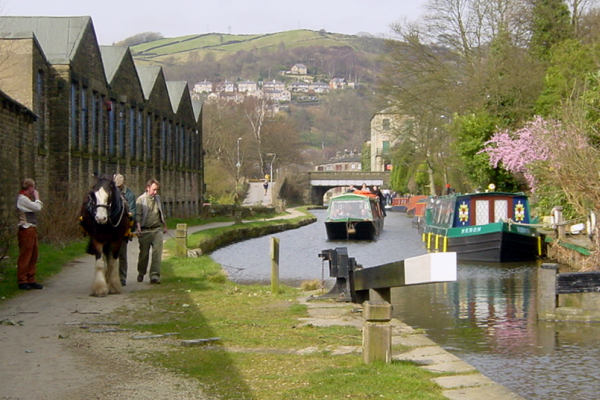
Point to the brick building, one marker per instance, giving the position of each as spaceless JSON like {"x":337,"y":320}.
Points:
{"x":91,"y":109}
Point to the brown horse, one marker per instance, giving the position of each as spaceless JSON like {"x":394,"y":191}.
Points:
{"x":105,"y":218}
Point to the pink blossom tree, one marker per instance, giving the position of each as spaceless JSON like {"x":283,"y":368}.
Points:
{"x":549,"y":153}
{"x":520,"y":151}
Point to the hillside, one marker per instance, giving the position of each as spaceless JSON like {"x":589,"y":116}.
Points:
{"x":216,"y":56}
{"x":339,"y":121}
{"x":221,"y":45}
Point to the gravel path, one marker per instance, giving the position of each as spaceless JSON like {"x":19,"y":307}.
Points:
{"x":45,"y":354}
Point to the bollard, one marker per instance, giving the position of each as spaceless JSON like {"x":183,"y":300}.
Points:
{"x":181,"y":240}
{"x":546,"y":291}
{"x":559,"y":222}
{"x":274,"y":265}
{"x":377,"y":330}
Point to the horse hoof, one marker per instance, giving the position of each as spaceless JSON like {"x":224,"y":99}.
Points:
{"x":100,"y":293}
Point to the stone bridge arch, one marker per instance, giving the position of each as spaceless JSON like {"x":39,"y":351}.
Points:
{"x":320,"y":182}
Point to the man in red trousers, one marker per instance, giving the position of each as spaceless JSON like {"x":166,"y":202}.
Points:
{"x":28,"y":206}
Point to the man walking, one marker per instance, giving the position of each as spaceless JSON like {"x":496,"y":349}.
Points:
{"x":151,"y":224}
{"x":28,"y":206}
{"x":130,"y":197}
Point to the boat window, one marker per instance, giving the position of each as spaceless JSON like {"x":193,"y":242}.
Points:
{"x":443,"y":211}
{"x":349,"y":209}
{"x":500,"y":210}
{"x":482,"y":212}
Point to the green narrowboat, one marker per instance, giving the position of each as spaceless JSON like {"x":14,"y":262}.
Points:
{"x":356,"y":215}
{"x":487,"y":226}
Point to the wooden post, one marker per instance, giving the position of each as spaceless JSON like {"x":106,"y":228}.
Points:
{"x":181,"y":240}
{"x":377,"y":330}
{"x":274,"y":265}
{"x":559,"y":222}
{"x":546,"y":291}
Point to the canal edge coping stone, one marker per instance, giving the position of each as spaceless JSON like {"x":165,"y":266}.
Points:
{"x":466,"y":384}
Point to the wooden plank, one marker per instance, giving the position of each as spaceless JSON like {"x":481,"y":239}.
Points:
{"x":578,"y":282}
{"x":428,"y":268}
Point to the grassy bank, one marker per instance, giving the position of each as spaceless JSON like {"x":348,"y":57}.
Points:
{"x":52,"y":257}
{"x":263,"y":350}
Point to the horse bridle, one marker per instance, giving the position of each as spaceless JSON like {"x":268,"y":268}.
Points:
{"x":92,"y":207}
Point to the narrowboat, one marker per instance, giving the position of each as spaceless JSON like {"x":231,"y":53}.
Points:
{"x":489,"y":227}
{"x":356,"y":215}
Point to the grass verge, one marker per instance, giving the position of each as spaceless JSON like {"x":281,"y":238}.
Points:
{"x":263,"y":352}
{"x":51,"y":259}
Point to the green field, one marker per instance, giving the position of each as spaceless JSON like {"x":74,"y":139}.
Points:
{"x":226,"y":44}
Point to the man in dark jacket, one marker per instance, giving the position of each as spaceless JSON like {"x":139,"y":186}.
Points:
{"x":130,"y":197}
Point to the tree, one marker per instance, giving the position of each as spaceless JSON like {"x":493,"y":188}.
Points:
{"x":569,"y":64}
{"x":255,"y":111}
{"x":472,"y":132}
{"x":551,"y":24}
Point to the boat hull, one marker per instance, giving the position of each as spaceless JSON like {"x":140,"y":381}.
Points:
{"x":495,"y":247}
{"x":358,"y":230}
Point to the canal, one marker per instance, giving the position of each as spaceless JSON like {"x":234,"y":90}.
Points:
{"x":487,"y":317}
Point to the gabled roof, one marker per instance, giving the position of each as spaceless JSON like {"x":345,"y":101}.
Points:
{"x":112,"y":57}
{"x":147,"y":75}
{"x":176,"y":90}
{"x":59,"y":37}
{"x":197,"y":106}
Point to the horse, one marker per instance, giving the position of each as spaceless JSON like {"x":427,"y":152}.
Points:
{"x":105,"y":218}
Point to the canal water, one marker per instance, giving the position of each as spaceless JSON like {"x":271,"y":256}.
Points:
{"x":487,"y":317}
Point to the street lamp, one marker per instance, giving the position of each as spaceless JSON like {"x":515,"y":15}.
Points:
{"x":238,"y":165}
{"x":271,"y":168}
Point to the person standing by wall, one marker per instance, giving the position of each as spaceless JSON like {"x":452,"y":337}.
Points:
{"x":28,"y":206}
{"x":151,"y":224}
{"x":130,"y":197}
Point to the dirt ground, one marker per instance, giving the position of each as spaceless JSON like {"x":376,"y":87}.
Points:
{"x":50,"y":347}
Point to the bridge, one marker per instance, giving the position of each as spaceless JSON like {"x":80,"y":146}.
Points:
{"x":321,"y":181}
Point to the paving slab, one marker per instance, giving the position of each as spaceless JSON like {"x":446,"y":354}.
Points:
{"x":450,"y":367}
{"x":488,"y":392}
{"x":412,"y":340}
{"x":466,"y":383}
{"x":462,"y":381}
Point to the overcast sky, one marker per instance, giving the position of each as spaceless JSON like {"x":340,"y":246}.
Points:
{"x":115,"y":20}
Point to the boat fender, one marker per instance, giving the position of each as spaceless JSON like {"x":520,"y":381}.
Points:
{"x":591,"y":225}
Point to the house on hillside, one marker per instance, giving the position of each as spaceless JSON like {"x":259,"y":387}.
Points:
{"x":299,"y":87}
{"x":247,"y":87}
{"x":343,"y":161}
{"x":298,"y":69}
{"x":278,"y":95}
{"x":337,"y":83}
{"x":203,"y":87}
{"x":272,"y":86}
{"x":225,"y":87}
{"x":318,"y":87}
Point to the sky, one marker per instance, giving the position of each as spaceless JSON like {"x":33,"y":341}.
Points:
{"x":115,"y":20}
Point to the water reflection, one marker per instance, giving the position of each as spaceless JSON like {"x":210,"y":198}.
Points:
{"x":249,"y":261}
{"x":487,"y":317}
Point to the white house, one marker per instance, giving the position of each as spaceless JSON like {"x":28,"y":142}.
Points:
{"x":247,"y":87}
{"x":299,"y":69}
{"x":203,"y":87}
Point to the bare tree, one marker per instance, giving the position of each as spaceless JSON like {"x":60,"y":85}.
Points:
{"x":255,"y":111}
